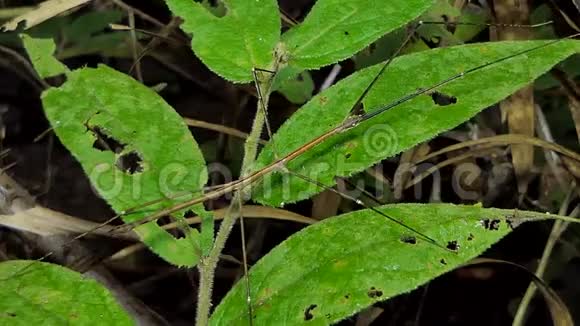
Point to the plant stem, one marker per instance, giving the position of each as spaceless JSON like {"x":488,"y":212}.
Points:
{"x":207,"y":265}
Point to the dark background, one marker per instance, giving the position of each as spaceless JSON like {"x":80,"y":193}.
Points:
{"x":470,"y":296}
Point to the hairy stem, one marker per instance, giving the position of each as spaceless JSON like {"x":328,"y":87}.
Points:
{"x":208,"y":264}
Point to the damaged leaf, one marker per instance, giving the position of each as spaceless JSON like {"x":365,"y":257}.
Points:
{"x":40,"y":52}
{"x":301,"y":281}
{"x":135,"y":149}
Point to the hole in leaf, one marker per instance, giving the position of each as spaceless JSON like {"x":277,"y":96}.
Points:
{"x":409,"y":239}
{"x":442,"y":261}
{"x":511,"y":223}
{"x":328,"y":316}
{"x":130,"y":163}
{"x":452,"y":245}
{"x":449,"y":25}
{"x":470,"y":237}
{"x":161,"y":221}
{"x":491,"y":225}
{"x":105,"y":142}
{"x":443,"y":99}
{"x":308,"y":312}
{"x":189,"y":213}
{"x":374,"y":293}
{"x":347,"y":296}
{"x":347,"y":155}
{"x":346,"y":33}
{"x":11,"y":314}
{"x":215,"y":4}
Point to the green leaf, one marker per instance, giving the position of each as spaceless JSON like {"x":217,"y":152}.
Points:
{"x":35,"y":293}
{"x":335,"y":268}
{"x":232,"y":45}
{"x":135,"y":149}
{"x":41,"y":53}
{"x":297,"y":86}
{"x":406,"y":125}
{"x":335,"y":30}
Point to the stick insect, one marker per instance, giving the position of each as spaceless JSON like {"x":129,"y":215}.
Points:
{"x":350,"y":122}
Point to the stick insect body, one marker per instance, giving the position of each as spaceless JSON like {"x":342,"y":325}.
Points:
{"x":350,"y":122}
